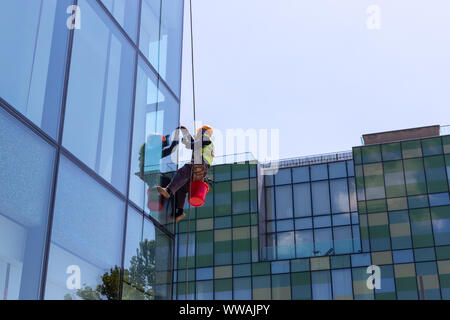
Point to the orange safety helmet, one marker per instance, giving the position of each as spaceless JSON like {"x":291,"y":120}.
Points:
{"x":207,"y":128}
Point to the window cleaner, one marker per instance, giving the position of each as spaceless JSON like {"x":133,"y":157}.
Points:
{"x":193,"y":172}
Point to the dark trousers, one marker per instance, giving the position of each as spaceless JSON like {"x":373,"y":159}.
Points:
{"x":180,"y":182}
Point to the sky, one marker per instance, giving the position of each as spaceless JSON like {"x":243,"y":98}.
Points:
{"x":322,"y":72}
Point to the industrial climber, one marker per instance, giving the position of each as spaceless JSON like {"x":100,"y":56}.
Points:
{"x":202,"y":158}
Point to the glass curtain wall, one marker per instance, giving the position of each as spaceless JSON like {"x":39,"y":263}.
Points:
{"x":80,"y":109}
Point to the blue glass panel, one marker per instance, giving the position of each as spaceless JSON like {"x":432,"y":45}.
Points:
{"x":26,"y":172}
{"x":350,"y":168}
{"x":321,"y":285}
{"x":147,"y":248}
{"x":242,"y":270}
{"x":285,"y":225}
{"x":323,"y":240}
{"x":152,"y":158}
{"x":126,"y":13}
{"x":343,"y":241}
{"x":403,"y":256}
{"x":222,"y":222}
{"x":439,"y":199}
{"x":361,"y":260}
{"x":302,"y":199}
{"x":319,"y":172}
{"x":204,"y":274}
{"x":342,"y":219}
{"x":322,"y":221}
{"x":242,"y":288}
{"x":417,"y":202}
{"x":283,"y":176}
{"x":284,"y":202}
{"x":87,"y":232}
{"x":321,"y":198}
{"x":342,"y":283}
{"x":34,"y":39}
{"x":355,"y":218}
{"x":337,"y":169}
{"x":300,"y":174}
{"x":304,"y":243}
{"x":280,"y":267}
{"x":356,"y":238}
{"x":339,"y":196}
{"x":99,"y":97}
{"x":305,"y":223}
{"x":285,"y":245}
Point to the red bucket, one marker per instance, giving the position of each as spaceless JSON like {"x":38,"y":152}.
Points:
{"x":198,"y":190}
{"x":155,"y":200}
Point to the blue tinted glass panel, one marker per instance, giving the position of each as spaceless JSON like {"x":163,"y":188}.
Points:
{"x":154,"y":153}
{"x":87,"y":232}
{"x":342,"y":284}
{"x":321,"y":198}
{"x":204,"y":274}
{"x":204,"y":290}
{"x":337,"y":169}
{"x":99,"y":98}
{"x":34,"y":40}
{"x":361,"y":260}
{"x":402,"y":256}
{"x":341,"y":219}
{"x":284,"y":202}
{"x":280,"y":267}
{"x":302,"y":199}
{"x":319,"y":172}
{"x":350,"y":168}
{"x":126,"y":13}
{"x":323,"y":240}
{"x":300,"y":174}
{"x":26,"y":172}
{"x":146,"y":249}
{"x":285,"y":225}
{"x":285,"y":245}
{"x":283,"y":176}
{"x":439,"y":199}
{"x":343,"y":241}
{"x":321,"y":285}
{"x":304,"y":243}
{"x":323,"y":221}
{"x":305,"y":223}
{"x":339,"y":196}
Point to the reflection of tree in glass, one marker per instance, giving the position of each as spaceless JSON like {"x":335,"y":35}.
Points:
{"x":138,"y":279}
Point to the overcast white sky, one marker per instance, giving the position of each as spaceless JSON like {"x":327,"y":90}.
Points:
{"x":314,"y":70}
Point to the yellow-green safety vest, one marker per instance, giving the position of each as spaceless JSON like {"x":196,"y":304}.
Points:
{"x":208,"y":153}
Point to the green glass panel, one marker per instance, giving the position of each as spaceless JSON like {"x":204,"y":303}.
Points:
{"x":411,"y":149}
{"x":222,"y":198}
{"x":357,"y":156}
{"x":435,"y":174}
{"x":223,"y":285}
{"x":260,"y":268}
{"x":222,"y":173}
{"x":374,"y":181}
{"x":432,"y":146}
{"x":415,"y":177}
{"x":391,"y":151}
{"x":241,"y":220}
{"x":376,"y":206}
{"x":446,"y":144}
{"x":240,"y":171}
{"x":394,"y":179}
{"x":443,"y":253}
{"x":371,"y":154}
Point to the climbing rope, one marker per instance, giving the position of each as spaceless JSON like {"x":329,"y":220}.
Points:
{"x":192,"y":168}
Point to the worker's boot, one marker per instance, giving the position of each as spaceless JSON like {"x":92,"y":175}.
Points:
{"x":164,"y":192}
{"x":180,"y":217}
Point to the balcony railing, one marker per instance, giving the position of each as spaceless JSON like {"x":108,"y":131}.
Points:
{"x":308,"y":160}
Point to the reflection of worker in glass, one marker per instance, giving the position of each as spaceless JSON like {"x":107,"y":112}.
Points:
{"x":202,"y":158}
{"x":150,"y":155}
